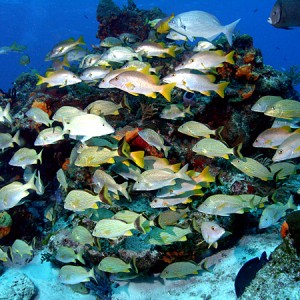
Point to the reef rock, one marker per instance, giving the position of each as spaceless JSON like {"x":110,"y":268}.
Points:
{"x":16,"y":286}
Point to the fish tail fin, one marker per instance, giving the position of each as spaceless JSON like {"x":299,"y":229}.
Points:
{"x":221,"y":88}
{"x":138,"y":158}
{"x":229,"y":29}
{"x":290,"y":204}
{"x":6,"y":113}
{"x":79,"y":257}
{"x":123,"y":189}
{"x":182,"y":173}
{"x":229,"y":58}
{"x":80,"y":40}
{"x":167,"y":89}
{"x":171,"y":51}
{"x":166,"y":150}
{"x":206,"y":176}
{"x":30,"y":185}
{"x":16,"y":138}
{"x":41,"y":79}
{"x":218,"y":132}
{"x":176,"y":167}
{"x":188,"y":110}
{"x":125,"y":104}
{"x":39,"y":157}
{"x":237,"y":150}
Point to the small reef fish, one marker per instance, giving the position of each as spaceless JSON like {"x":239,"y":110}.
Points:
{"x":154,"y":139}
{"x":180,"y":270}
{"x":88,"y":126}
{"x":110,"y":41}
{"x":61,"y":178}
{"x":101,"y":178}
{"x":94,"y":156}
{"x":168,"y":235}
{"x":66,"y":113}
{"x":119,"y":54}
{"x":49,"y":136}
{"x":15,"y":47}
{"x":213,"y":148}
{"x":105,"y":82}
{"x":78,"y":200}
{"x":187,"y":80}
{"x":136,"y":83}
{"x":20,"y":248}
{"x":204,"y":46}
{"x":24,"y":157}
{"x":6,"y":140}
{"x":285,"y":14}
{"x":272,"y":213}
{"x":104,"y":108}
{"x":39,"y":116}
{"x":288,"y":149}
{"x":59,"y":78}
{"x":127,"y":170}
{"x":158,"y":178}
{"x":175,"y":111}
{"x":68,"y":255}
{"x":284,"y":109}
{"x":168,"y":218}
{"x":75,"y":54}
{"x":75,"y":274}
{"x":197,"y":129}
{"x":114,"y":265}
{"x":272,"y":137}
{"x":90,"y":60}
{"x":201,"y":24}
{"x":112,"y":229}
{"x":127,"y":37}
{"x":5,"y":114}
{"x":169,"y":202}
{"x":264,"y":102}
{"x":63,"y":47}
{"x":81,"y":235}
{"x":176,"y":36}
{"x":94,"y":73}
{"x":222,"y":205}
{"x":283,"y":169}
{"x":153,"y":162}
{"x":211,"y":233}
{"x":206,"y":60}
{"x":150,"y":49}
{"x":252,"y":168}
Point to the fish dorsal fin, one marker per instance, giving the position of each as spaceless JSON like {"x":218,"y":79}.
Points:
{"x":219,"y":52}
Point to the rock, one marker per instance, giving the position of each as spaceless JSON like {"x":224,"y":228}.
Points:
{"x":16,"y":286}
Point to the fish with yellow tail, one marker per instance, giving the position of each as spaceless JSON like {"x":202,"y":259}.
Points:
{"x":162,"y":26}
{"x":214,"y":148}
{"x":63,"y":47}
{"x":150,"y":49}
{"x":252,"y":168}
{"x":191,"y":81}
{"x":135,"y":83}
{"x":197,"y":129}
{"x":180,"y":269}
{"x":75,"y":274}
{"x":175,"y":111}
{"x":78,"y":200}
{"x":114,"y":265}
{"x":59,"y":78}
{"x":284,"y":109}
{"x":206,"y":60}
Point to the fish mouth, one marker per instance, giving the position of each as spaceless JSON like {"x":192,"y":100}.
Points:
{"x":269,"y":20}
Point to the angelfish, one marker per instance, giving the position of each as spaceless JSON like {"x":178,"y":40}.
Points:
{"x":285,"y":14}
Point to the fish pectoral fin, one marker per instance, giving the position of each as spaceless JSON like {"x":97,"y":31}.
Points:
{"x":130,"y":85}
{"x":151,"y":95}
{"x":128,"y":233}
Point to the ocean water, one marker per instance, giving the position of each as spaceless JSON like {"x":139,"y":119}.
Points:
{"x":41,"y":24}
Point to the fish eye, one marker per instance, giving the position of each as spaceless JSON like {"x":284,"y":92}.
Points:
{"x":74,"y":76}
{"x":191,"y":60}
{"x":173,"y":74}
{"x":280,"y":151}
{"x":117,"y":78}
{"x":213,"y":228}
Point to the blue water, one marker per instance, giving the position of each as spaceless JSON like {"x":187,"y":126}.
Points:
{"x":41,"y":24}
